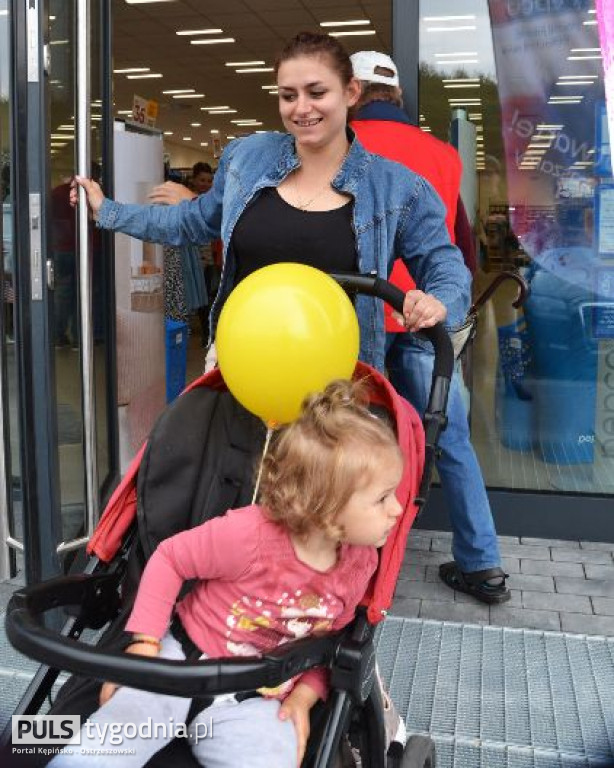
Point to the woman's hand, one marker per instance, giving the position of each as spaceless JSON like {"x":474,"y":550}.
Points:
{"x":420,"y":310}
{"x":92,"y":190}
{"x":140,"y":649}
{"x":170,"y":193}
{"x":296,"y":707}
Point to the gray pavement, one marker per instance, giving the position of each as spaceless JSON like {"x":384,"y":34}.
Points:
{"x":556,"y":585}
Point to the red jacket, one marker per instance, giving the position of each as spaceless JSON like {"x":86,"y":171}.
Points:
{"x":384,"y":129}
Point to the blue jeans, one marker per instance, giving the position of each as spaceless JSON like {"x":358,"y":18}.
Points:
{"x":474,"y":542}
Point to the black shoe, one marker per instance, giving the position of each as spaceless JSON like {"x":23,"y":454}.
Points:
{"x":487,"y":586}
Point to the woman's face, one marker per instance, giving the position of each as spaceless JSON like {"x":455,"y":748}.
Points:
{"x":202,"y":182}
{"x":313,"y":101}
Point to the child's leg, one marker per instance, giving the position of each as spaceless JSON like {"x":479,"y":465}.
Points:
{"x":151,"y":718}
{"x":233,"y":735}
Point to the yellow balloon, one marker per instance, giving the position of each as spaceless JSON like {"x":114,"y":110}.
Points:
{"x":285,"y":331}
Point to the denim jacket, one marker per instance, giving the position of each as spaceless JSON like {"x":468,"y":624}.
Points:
{"x":396,"y":213}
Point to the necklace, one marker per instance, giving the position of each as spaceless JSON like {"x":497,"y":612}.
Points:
{"x":302,"y":205}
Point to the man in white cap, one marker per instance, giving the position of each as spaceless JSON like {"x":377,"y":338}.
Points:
{"x":382,"y":127}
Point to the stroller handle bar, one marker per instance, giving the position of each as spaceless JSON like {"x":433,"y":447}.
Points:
{"x":96,"y":592}
{"x":371,"y":285}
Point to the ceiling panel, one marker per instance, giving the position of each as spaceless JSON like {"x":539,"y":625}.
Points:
{"x":144,"y":35}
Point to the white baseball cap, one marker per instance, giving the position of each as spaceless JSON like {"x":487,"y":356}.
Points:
{"x":367,"y":63}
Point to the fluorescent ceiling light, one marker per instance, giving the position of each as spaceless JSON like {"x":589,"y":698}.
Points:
{"x":213,"y":41}
{"x":195,"y":125}
{"x":124,"y":111}
{"x":457,"y":61}
{"x":586,"y":50}
{"x":448,"y":18}
{"x":578,"y":77}
{"x":187,"y":138}
{"x":255,"y":69}
{"x":591,"y":23}
{"x":58,"y":42}
{"x":231,"y":136}
{"x":564,"y":98}
{"x":189,"y":96}
{"x":150,"y":76}
{"x":214,"y":130}
{"x":353,"y":33}
{"x":179,"y":90}
{"x":130,"y":69}
{"x":351,"y":23}
{"x":462,"y":85}
{"x":168,"y":133}
{"x":199,"y":32}
{"x":62,"y":136}
{"x":465,"y":28}
{"x":204,"y":143}
{"x":250,"y":123}
{"x":461,"y":80}
{"x":208,"y":109}
{"x":57,"y":143}
{"x":245,"y":120}
{"x":575,"y":82}
{"x":549,"y":127}
{"x":583,"y":58}
{"x":222,"y":111}
{"x":6,"y":13}
{"x":269,"y":87}
{"x":243,"y":63}
{"x":273,"y":93}
{"x":142,"y":2}
{"x":566,"y":101}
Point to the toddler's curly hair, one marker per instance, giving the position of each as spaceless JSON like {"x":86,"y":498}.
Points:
{"x":317,"y":462}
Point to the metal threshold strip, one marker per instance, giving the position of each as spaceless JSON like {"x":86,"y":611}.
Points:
{"x":494,"y":697}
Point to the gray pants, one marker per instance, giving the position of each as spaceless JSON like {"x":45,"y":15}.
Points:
{"x":133,"y":725}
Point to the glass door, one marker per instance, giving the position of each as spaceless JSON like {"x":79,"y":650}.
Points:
{"x":65,"y":361}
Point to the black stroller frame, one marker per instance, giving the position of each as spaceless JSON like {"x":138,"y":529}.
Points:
{"x":102,"y":594}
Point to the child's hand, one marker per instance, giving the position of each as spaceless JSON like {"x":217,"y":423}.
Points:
{"x":296,"y":708}
{"x":140,"y":649}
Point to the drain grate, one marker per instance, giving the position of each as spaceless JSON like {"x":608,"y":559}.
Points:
{"x":494,"y":697}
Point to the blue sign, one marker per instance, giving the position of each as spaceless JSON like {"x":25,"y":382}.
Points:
{"x":603,"y":308}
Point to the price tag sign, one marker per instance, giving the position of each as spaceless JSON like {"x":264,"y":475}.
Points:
{"x":144,"y":111}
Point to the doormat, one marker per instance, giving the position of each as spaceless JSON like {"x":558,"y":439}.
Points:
{"x":500,"y":697}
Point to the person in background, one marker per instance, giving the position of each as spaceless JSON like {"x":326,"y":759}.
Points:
{"x":172,"y":193}
{"x":314,"y":196}
{"x":296,"y":565}
{"x":383,"y":127}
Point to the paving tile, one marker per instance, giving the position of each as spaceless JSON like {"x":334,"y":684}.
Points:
{"x":607,"y":546}
{"x":549,"y":542}
{"x":412,"y":572}
{"x":530,"y":583}
{"x":603,"y":606}
{"x":418,"y":543}
{"x":587,"y":625}
{"x":549,"y":568}
{"x":525,"y":551}
{"x":434,"y":534}
{"x":514,"y":601}
{"x":510,"y":565}
{"x":407,"y":607}
{"x":582,"y":556}
{"x":563,"y":603}
{"x":425,"y":558}
{"x":463,"y":614}
{"x":597,"y":587}
{"x":598,"y":571}
{"x":503,"y":616}
{"x":509,"y":540}
{"x":441,"y":545}
{"x":425,"y":590}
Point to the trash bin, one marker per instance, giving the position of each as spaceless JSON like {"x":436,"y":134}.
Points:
{"x":176,"y":357}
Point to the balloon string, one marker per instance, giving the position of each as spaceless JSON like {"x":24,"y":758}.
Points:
{"x":269,"y":434}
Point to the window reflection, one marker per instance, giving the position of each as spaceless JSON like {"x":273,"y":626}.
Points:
{"x":528,"y":77}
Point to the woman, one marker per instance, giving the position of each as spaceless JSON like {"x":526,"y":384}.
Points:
{"x":315,"y":196}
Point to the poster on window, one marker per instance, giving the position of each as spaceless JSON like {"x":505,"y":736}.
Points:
{"x":605,"y":22}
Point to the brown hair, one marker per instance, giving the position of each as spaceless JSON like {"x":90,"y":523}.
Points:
{"x":317,"y":44}
{"x":379,"y":92}
{"x":316,"y":463}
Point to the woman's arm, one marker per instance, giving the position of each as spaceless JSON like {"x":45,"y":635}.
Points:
{"x":435,"y":264}
{"x":195,"y":221}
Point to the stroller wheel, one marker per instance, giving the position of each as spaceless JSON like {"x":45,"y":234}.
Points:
{"x":419,"y":753}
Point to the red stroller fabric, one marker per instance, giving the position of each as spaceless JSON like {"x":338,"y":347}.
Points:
{"x":120,"y":512}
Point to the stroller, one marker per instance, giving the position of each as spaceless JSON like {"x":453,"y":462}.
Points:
{"x":197,"y":464}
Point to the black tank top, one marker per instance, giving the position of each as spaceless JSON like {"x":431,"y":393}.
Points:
{"x":270,"y":231}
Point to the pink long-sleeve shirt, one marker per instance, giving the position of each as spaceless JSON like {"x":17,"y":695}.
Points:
{"x":252,"y":593}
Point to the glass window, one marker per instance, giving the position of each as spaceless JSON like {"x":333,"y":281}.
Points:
{"x":525,"y":81}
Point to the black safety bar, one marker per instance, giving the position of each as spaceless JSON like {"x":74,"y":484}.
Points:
{"x":95,"y":593}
